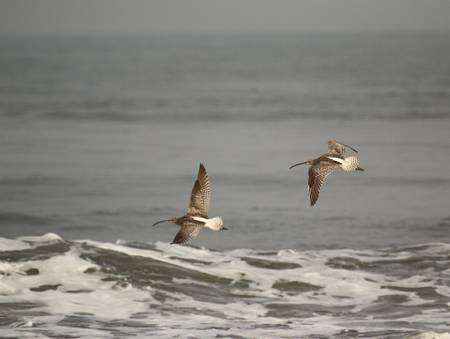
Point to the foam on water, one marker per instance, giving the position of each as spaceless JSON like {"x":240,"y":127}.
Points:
{"x":431,"y":335}
{"x":48,"y":237}
{"x":11,"y":245}
{"x":93,"y":289}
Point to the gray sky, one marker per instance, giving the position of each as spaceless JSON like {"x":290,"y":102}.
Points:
{"x":214,"y":16}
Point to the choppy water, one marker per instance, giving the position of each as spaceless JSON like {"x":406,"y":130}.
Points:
{"x":91,"y":289}
{"x":100,"y":137}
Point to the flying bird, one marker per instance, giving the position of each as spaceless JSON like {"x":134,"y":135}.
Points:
{"x":196,"y":217}
{"x":324,"y":165}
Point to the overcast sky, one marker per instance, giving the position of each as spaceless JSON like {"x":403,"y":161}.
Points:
{"x":219,"y":16}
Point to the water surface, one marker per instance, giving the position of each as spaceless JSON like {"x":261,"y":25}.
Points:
{"x":100,"y":137}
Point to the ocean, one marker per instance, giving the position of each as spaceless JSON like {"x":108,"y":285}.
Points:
{"x":102,"y":136}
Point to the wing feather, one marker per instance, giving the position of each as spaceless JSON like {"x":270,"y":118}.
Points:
{"x":187,"y":233}
{"x":335,"y":149}
{"x":317,"y":176}
{"x":200,"y":194}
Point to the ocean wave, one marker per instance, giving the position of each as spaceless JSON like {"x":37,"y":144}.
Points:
{"x":238,"y":116}
{"x":57,"y":288}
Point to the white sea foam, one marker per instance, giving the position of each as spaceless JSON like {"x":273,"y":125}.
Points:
{"x":12,"y":245}
{"x":72,"y":292}
{"x":48,"y":237}
{"x":260,"y":296}
{"x":431,"y":335}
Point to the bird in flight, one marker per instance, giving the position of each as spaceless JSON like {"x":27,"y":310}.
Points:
{"x":196,"y":217}
{"x":324,"y":165}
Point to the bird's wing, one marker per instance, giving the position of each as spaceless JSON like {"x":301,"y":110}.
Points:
{"x":200,"y":195}
{"x":335,"y":148}
{"x":317,"y":176}
{"x":186,"y":233}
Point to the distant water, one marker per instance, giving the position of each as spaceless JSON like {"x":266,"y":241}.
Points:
{"x":100,"y":137}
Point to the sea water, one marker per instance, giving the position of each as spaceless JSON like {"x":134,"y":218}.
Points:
{"x":100,"y":137}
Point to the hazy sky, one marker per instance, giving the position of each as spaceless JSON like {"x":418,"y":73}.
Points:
{"x":212,"y":16}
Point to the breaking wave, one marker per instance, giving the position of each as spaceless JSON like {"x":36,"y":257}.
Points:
{"x":86,"y":289}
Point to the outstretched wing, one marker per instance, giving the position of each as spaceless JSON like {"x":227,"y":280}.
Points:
{"x":317,"y":176}
{"x":335,"y":148}
{"x":199,"y":204}
{"x":186,"y":233}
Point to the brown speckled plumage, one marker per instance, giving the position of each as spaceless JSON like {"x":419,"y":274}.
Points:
{"x":324,"y":165}
{"x":198,"y":208}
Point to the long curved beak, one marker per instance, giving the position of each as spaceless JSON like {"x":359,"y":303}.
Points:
{"x":300,"y":163}
{"x":225,"y":228}
{"x":161,"y":221}
{"x":354,"y":150}
{"x":359,"y":169}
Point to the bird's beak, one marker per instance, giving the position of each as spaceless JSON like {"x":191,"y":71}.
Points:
{"x":360,"y":169}
{"x":300,"y":163}
{"x":225,"y":228}
{"x":161,"y":221}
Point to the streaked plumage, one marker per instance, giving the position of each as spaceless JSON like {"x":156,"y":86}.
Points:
{"x":327,"y":163}
{"x":200,"y":195}
{"x":188,"y":231}
{"x":196,"y":217}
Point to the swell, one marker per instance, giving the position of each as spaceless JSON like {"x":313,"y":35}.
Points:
{"x":272,"y":116}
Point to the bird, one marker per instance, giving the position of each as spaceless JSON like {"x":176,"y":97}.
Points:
{"x":321,"y":167}
{"x":196,"y":217}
